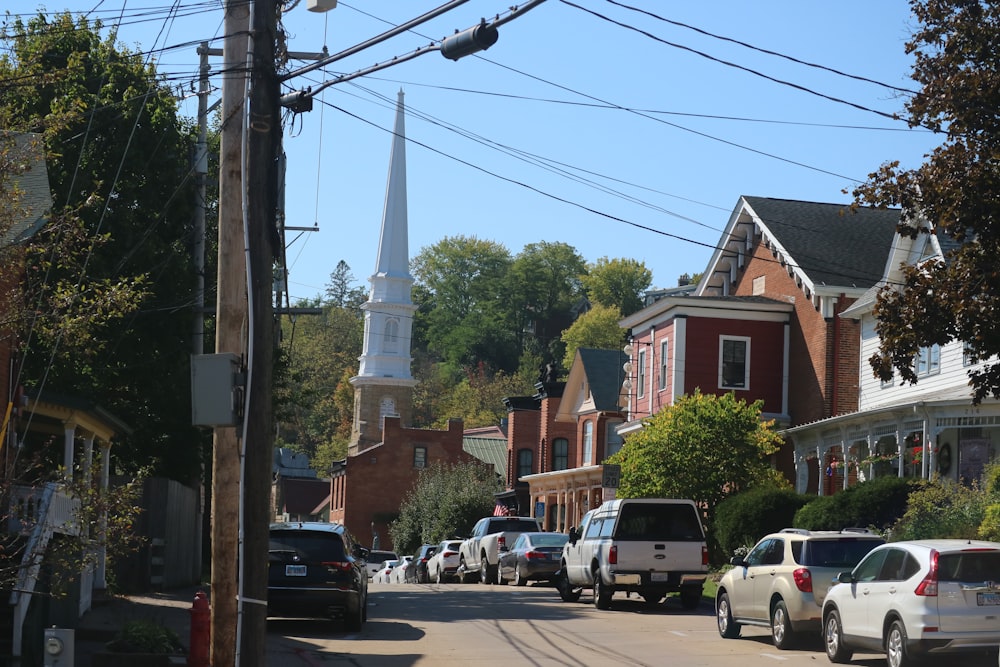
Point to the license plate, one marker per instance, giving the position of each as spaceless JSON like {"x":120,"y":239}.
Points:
{"x":659,"y":576}
{"x":295,"y":570}
{"x":988,"y":599}
{"x":554,"y":556}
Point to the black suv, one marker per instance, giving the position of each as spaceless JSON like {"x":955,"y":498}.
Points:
{"x":419,"y":565}
{"x":316,"y":570}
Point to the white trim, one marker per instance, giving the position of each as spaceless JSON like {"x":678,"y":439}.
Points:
{"x":746,"y":362}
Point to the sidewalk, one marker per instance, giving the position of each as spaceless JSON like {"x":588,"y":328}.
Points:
{"x":99,"y":625}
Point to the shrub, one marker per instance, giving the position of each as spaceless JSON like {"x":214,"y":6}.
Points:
{"x":743,"y":519}
{"x":942,"y":509}
{"x":877,"y":504}
{"x":144,"y":636}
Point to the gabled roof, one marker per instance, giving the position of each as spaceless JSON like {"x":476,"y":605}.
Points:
{"x":36,"y":203}
{"x":594,"y":373}
{"x":829,"y":247}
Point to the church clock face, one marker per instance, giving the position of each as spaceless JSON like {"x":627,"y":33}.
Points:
{"x":386,"y":408}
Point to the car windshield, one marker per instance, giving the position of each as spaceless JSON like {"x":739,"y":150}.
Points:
{"x":381,"y":556}
{"x":969,"y":566}
{"x":314,"y":547}
{"x":658,"y":521}
{"x":844,"y":552}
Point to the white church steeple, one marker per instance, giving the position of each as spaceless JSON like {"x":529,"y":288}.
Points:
{"x":384,"y":384}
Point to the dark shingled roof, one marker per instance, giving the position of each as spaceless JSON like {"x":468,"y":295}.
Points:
{"x":832,"y":244}
{"x":603,"y":369}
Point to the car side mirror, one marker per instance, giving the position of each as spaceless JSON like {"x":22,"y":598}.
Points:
{"x":737,"y":561}
{"x":573,"y":535}
{"x":845,"y":578}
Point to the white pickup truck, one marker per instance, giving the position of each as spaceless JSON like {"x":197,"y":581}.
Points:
{"x":650,"y":546}
{"x":480,"y":552}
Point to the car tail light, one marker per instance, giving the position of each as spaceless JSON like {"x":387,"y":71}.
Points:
{"x":532,"y":555}
{"x":613,"y":555}
{"x":337,"y":565}
{"x":501,"y":542}
{"x":928,"y":586}
{"x":447,"y":554}
{"x":803,"y":579}
{"x":704,"y":555}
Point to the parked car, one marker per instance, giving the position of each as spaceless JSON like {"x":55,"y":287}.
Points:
{"x":384,"y":573}
{"x":534,"y":556}
{"x":443,"y":565}
{"x":399,"y":572}
{"x":491,"y":536}
{"x":911,"y":600}
{"x":315,"y":570}
{"x":649,"y":546}
{"x":375,"y":560}
{"x":419,"y":567}
{"x":781,"y":582}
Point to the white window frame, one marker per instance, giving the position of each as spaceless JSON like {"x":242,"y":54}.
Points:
{"x":927,"y":361}
{"x":588,"y":442}
{"x":611,"y":437}
{"x":662,"y":380}
{"x":420,"y":457}
{"x":641,"y":374}
{"x":746,"y":362}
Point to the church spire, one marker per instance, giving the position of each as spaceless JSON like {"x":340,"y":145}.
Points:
{"x":384,"y":385}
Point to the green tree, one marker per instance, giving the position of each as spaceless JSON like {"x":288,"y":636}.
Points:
{"x":446,"y":502}
{"x":119,"y":239}
{"x":546,"y":290}
{"x":341,"y":290}
{"x":703,"y":447}
{"x":597,"y":328}
{"x":478,"y":398}
{"x":618,"y":283}
{"x":957,"y":64}
{"x":463,"y":311}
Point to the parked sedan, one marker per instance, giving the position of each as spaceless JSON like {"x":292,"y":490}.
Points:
{"x":911,"y":600}
{"x":375,"y":560}
{"x":534,"y":556}
{"x":443,"y":565}
{"x":383,"y":575}
{"x":399,"y":572}
{"x":417,"y":573}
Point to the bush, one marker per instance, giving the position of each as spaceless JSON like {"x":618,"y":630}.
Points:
{"x":942,"y":509}
{"x":877,"y":504}
{"x":743,"y":519}
{"x":143,"y":636}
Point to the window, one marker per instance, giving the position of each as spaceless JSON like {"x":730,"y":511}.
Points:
{"x":419,"y":457}
{"x":588,"y":442}
{"x":560,"y":454}
{"x":734,"y":366}
{"x":386,"y":407}
{"x":967,"y":357}
{"x":928,"y":361}
{"x":390,"y":337}
{"x":613,"y":441}
{"x":524,"y":461}
{"x":641,"y":370}
{"x":885,"y":384}
{"x":663,"y":365}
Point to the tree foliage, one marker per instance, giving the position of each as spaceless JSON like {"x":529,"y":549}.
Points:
{"x":703,"y":447}
{"x":446,"y":502}
{"x":957,"y":64}
{"x":618,"y":283}
{"x":110,"y":276}
{"x":597,"y":328}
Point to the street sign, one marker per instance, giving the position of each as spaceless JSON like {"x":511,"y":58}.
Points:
{"x":611,"y":477}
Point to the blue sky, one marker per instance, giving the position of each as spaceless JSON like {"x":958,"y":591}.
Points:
{"x":575,"y":126}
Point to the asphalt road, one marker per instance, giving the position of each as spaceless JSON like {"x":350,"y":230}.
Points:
{"x":455,"y":624}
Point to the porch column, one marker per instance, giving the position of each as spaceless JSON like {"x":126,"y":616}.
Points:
{"x":69,"y":434}
{"x":100,"y":576}
{"x":901,"y":450}
{"x":822,"y":472}
{"x":801,"y":472}
{"x":88,"y":459}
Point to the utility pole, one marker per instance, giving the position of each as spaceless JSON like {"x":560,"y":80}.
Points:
{"x":263,"y":248}
{"x":231,"y":332}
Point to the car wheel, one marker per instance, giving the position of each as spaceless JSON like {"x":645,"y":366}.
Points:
{"x":438,"y":578}
{"x":465,"y":576}
{"x":566,"y":592}
{"x":728,"y":628}
{"x":354,"y":619}
{"x":501,"y":580}
{"x":690,"y":598}
{"x":602,"y":592}
{"x":484,"y":572}
{"x":518,"y":579}
{"x":897,"y":654}
{"x":833,"y":638}
{"x":781,"y":627}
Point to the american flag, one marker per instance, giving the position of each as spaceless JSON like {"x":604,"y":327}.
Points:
{"x":501,"y":510}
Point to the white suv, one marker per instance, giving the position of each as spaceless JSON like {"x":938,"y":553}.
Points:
{"x":781,"y":582}
{"x":911,"y":599}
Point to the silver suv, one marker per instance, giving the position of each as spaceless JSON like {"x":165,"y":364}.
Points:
{"x":782,"y":581}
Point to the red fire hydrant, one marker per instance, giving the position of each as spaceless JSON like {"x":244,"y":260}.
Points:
{"x":201,"y":631}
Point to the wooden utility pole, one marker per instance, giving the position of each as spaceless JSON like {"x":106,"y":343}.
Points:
{"x":231,"y":333}
{"x":264,"y":246}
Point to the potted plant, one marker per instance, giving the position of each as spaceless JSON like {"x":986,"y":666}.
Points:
{"x":140,"y":642}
